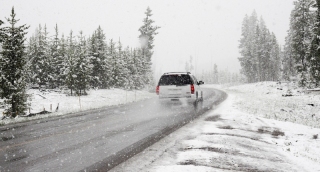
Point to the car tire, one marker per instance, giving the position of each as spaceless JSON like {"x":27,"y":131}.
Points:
{"x":197,"y":105}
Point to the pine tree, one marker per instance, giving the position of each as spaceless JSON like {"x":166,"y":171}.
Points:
{"x":301,"y":36}
{"x":132,"y":70}
{"x":275,"y":60}
{"x":82,"y":67}
{"x":129,"y":70}
{"x":40,"y":58}
{"x":264,"y":49}
{"x":62,"y":62}
{"x":147,"y":34}
{"x":288,"y":60}
{"x":257,"y":54}
{"x":29,"y":52}
{"x":244,"y":51}
{"x":121,"y":69}
{"x":260,"y":59}
{"x":49,"y":59}
{"x":314,"y":58}
{"x":138,"y":68}
{"x":12,"y":66}
{"x":56,"y":61}
{"x":114,"y":64}
{"x":248,"y":47}
{"x":97,"y":52}
{"x":32,"y":53}
{"x":103,"y":63}
{"x":70,"y":68}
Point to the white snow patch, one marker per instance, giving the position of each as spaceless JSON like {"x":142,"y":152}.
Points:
{"x":50,"y":99}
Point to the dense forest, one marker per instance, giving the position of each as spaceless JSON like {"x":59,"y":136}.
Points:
{"x":260,"y":52}
{"x":80,"y":63}
{"x":262,"y":59}
{"x":75,"y":61}
{"x":301,"y":58}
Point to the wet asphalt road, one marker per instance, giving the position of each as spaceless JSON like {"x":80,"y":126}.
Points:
{"x":95,"y":140}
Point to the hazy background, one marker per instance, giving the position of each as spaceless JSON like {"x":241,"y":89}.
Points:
{"x":207,"y":30}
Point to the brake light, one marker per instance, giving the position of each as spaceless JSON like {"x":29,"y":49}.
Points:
{"x":157,"y":89}
{"x":192,"y":89}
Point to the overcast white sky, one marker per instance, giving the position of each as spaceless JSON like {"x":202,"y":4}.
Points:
{"x":208,"y":30}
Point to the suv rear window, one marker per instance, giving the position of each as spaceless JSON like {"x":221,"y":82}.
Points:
{"x":175,"y":80}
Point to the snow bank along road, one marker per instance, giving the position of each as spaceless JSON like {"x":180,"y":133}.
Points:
{"x":94,"y":140}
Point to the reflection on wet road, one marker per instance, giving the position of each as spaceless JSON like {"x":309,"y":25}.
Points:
{"x":97,"y":139}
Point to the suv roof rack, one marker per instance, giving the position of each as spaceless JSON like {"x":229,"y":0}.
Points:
{"x":176,"y":72}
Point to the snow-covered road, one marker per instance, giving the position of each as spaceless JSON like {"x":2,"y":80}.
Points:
{"x":93,"y":140}
{"x":227,"y":139}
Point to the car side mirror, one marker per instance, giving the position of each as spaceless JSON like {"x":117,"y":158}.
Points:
{"x":200,"y":82}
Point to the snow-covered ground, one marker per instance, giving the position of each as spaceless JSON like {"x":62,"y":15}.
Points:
{"x":49,"y":100}
{"x":270,"y":100}
{"x":255,"y":129}
{"x":250,"y":131}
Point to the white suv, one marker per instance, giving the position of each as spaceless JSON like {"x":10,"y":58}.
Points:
{"x":179,"y":85}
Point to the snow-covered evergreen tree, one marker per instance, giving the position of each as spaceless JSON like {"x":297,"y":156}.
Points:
{"x":301,"y":25}
{"x":264,"y":48}
{"x":120,"y":74}
{"x":97,"y":52}
{"x":147,"y":34}
{"x":114,"y":64}
{"x":314,"y":57}
{"x":12,"y":67}
{"x":32,"y":54}
{"x":259,"y":49}
{"x":275,"y":59}
{"x":61,"y":62}
{"x":56,"y":61}
{"x":93,"y":53}
{"x":40,"y":58}
{"x":82,"y":67}
{"x":49,"y":59}
{"x":29,"y":52}
{"x":70,"y":68}
{"x":288,"y":60}
{"x":129,"y":69}
{"x":138,"y":69}
{"x":248,"y":49}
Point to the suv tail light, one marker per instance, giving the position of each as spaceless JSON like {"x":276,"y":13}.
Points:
{"x":157,"y":89}
{"x":192,"y":89}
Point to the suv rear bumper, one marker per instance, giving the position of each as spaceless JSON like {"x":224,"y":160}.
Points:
{"x":190,"y":99}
